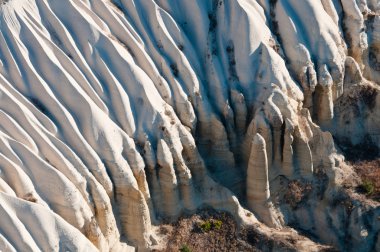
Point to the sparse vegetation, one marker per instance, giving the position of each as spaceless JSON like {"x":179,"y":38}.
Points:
{"x":185,"y":248}
{"x":208,"y":225}
{"x":205,"y":226}
{"x":369,"y":172}
{"x":368,"y":187}
{"x":218,"y":224}
{"x":297,"y":192}
{"x":224,"y":235}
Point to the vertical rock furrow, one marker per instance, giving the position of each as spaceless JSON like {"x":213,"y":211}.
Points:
{"x":168,"y":181}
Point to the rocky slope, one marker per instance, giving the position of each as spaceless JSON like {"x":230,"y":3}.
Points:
{"x":117,"y":116}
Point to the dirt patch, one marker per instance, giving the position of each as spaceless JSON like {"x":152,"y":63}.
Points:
{"x":206,"y":231}
{"x":192,"y":233}
{"x":209,"y":230}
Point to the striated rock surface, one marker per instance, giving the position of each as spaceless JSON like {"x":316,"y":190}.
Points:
{"x":119,"y":115}
{"x":257,"y":174}
{"x":258,"y":193}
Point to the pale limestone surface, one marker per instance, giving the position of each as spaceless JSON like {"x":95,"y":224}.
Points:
{"x":118,"y":115}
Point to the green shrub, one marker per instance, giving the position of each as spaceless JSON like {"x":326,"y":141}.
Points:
{"x":206,"y":226}
{"x":369,"y":187}
{"x":185,"y":248}
{"x":209,"y":225}
{"x":217,"y":224}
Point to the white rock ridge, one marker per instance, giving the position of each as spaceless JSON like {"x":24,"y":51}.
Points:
{"x":118,"y":115}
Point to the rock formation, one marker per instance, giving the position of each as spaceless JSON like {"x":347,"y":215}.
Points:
{"x":258,"y":192}
{"x":257,"y":174}
{"x":168,"y":180}
{"x":117,"y":116}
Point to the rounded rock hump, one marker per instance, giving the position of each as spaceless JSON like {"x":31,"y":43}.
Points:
{"x":258,"y":141}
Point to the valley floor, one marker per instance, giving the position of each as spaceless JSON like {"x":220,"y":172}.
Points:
{"x":190,"y":233}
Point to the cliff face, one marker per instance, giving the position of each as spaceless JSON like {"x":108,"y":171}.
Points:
{"x":119,"y":115}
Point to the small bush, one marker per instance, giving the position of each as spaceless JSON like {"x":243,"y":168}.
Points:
{"x":209,"y":225}
{"x":206,"y":226}
{"x":368,"y":187}
{"x":185,"y":248}
{"x":217,"y":224}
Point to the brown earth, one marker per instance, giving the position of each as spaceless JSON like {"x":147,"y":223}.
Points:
{"x":188,"y":234}
{"x":369,"y":173}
